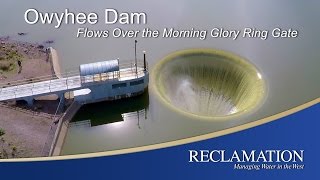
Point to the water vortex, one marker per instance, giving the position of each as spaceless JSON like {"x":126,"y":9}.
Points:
{"x":208,"y":82}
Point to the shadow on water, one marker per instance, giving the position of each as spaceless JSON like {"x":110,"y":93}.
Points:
{"x":112,"y":111}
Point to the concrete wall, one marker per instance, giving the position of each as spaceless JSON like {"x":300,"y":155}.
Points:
{"x":62,"y":129}
{"x":106,"y":91}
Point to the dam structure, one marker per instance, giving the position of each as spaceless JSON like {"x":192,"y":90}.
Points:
{"x":93,"y":82}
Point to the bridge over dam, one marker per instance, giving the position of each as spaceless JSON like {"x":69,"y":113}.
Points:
{"x":93,"y":82}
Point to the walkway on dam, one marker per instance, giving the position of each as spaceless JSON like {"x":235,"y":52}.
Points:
{"x":72,"y":81}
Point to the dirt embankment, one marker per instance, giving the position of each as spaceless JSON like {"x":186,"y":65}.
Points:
{"x":25,"y":130}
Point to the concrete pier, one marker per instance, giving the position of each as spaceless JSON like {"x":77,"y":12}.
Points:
{"x":29,"y":101}
{"x":55,"y":62}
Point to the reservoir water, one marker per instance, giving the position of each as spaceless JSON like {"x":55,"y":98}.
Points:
{"x":290,"y":66}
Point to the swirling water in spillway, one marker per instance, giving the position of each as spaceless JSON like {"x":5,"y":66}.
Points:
{"x":209,"y":84}
{"x":202,"y":99}
{"x":206,"y":90}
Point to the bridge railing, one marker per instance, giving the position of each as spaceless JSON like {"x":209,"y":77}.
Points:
{"x":37,"y":79}
{"x":128,"y":70}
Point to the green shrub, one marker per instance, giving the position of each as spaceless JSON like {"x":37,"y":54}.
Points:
{"x":2,"y":132}
{"x":6,"y":66}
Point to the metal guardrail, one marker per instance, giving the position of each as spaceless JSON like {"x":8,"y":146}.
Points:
{"x":122,"y":65}
{"x":119,"y":75}
{"x":32,"y":89}
{"x":37,"y":79}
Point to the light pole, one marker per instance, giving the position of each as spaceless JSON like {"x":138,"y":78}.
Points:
{"x":144,"y":61}
{"x":135,"y":55}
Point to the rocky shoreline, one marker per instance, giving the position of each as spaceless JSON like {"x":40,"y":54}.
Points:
{"x":34,"y":60}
